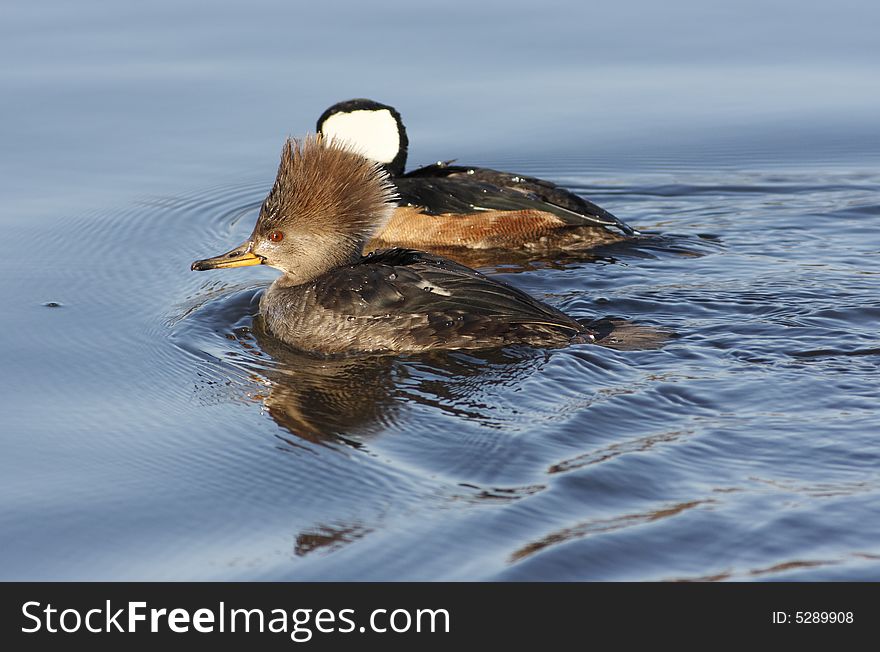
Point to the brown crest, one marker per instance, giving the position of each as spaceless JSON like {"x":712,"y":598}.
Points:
{"x":329,"y":188}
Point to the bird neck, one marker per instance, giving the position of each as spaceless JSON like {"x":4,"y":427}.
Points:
{"x":314,"y":261}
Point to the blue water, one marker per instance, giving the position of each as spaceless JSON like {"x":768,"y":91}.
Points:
{"x":146,"y":433}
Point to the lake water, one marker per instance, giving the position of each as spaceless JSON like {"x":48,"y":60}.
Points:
{"x":147,"y":433}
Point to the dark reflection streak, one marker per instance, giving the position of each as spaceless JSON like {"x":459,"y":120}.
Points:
{"x":615,"y":450}
{"x":328,"y":538}
{"x":508,"y":494}
{"x":717,"y":577}
{"x":789,"y":565}
{"x":825,"y":353}
{"x":758,"y":572}
{"x":604,"y":525}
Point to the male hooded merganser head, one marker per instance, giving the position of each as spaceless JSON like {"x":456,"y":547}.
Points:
{"x":444,"y":206}
{"x":373,"y":129}
{"x":326,"y":203}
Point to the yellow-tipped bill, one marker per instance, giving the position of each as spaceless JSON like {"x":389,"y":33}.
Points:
{"x":241,"y":256}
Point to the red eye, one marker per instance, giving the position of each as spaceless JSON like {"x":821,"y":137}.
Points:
{"x":276,"y":236}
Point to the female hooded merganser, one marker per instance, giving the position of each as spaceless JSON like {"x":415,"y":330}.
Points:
{"x":446,"y":206}
{"x":327,"y":202}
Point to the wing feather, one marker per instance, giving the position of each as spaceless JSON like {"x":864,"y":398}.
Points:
{"x":402,"y":281}
{"x":443,"y":188}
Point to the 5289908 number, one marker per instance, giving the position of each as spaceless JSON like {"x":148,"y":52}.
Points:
{"x":823,"y":616}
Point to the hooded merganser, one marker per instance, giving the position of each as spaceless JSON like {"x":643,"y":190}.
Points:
{"x":327,"y":202}
{"x":445,"y":206}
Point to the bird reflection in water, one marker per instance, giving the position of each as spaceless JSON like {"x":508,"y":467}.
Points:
{"x":327,"y":399}
{"x":349,"y":399}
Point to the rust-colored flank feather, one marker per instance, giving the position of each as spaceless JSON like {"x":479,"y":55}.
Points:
{"x":411,"y":227}
{"x":485,"y":238}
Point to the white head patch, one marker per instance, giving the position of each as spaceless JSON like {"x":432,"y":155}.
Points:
{"x":371,"y":133}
